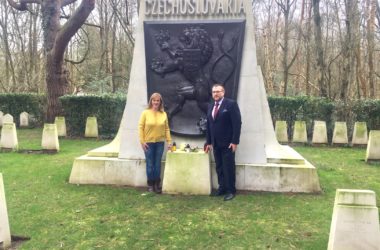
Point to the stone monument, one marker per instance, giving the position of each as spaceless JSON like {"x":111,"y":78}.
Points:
{"x":373,"y":147}
{"x":281,"y":130}
{"x":319,"y":133}
{"x":355,"y":221}
{"x":1,"y":118}
{"x":60,"y":122}
{"x":360,"y":134}
{"x":8,"y":138}
{"x":187,"y":46}
{"x":91,"y":127}
{"x":50,"y":140}
{"x":5,"y":234}
{"x":24,"y":119}
{"x":299,"y":132}
{"x":8,"y":118}
{"x":340,"y":134}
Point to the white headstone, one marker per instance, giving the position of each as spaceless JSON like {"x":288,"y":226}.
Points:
{"x":9,"y":136}
{"x":7,"y":118}
{"x":24,"y":119}
{"x":60,"y":121}
{"x":1,"y":118}
{"x":50,"y":137}
{"x":340,"y":133}
{"x":299,"y":132}
{"x":355,"y":221}
{"x":373,"y":147}
{"x":281,"y":131}
{"x":5,"y":234}
{"x":320,"y":132}
{"x":360,"y":134}
{"x":91,"y":127}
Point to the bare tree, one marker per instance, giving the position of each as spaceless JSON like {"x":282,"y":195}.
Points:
{"x":56,"y":38}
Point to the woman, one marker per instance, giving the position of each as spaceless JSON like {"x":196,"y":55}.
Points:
{"x":153,"y":132}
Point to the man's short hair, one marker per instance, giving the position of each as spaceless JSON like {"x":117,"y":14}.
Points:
{"x":218,"y":85}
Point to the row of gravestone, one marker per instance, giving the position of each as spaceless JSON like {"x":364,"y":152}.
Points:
{"x":50,"y":133}
{"x":359,"y":138}
{"x":24,"y":119}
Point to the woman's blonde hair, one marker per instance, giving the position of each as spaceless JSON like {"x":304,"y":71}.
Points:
{"x":155,"y":95}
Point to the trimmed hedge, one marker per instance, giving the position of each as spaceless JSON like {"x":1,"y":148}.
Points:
{"x":308,"y":109}
{"x":108,"y":109}
{"x":15,"y":104}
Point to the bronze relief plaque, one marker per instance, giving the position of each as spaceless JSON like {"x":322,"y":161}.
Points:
{"x":184,"y":60}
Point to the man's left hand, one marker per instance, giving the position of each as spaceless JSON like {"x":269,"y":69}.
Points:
{"x":233,"y":147}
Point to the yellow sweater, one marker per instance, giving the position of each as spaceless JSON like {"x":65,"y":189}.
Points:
{"x":154,"y":127}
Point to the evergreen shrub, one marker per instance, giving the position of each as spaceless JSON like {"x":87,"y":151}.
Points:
{"x":302,"y":108}
{"x":107,"y":108}
{"x":15,"y":104}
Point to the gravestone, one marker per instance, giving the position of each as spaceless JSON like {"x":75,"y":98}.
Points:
{"x":355,"y":221}
{"x":373,"y":147}
{"x":181,"y":49}
{"x":9,"y":136}
{"x":50,"y":137}
{"x":60,"y":122}
{"x":5,"y":234}
{"x":91,"y":127}
{"x":281,"y":131}
{"x":299,"y":132}
{"x":360,"y":134}
{"x":7,"y":118}
{"x":319,"y":133}
{"x":1,"y":118}
{"x":24,"y":119}
{"x":340,"y":133}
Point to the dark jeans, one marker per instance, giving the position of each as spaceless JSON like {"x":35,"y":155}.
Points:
{"x":225,"y":169}
{"x":153,"y":160}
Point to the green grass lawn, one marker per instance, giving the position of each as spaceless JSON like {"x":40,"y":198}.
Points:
{"x":58,"y":215}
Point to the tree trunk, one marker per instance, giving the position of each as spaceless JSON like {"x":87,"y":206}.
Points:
{"x":371,"y":5}
{"x":320,"y":67}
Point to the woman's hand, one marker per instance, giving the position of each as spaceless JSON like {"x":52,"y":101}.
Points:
{"x":144,"y":146}
{"x":170,"y":146}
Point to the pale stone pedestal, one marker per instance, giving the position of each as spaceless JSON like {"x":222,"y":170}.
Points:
{"x":91,"y":127}
{"x":319,"y":133}
{"x":281,"y":131}
{"x":7,"y":118}
{"x":355,"y":221}
{"x":299,"y":132}
{"x":60,"y":122}
{"x":340,"y":133}
{"x":373,"y":147}
{"x":5,"y":234}
{"x":24,"y":119}
{"x":9,"y":136}
{"x":360,"y":134}
{"x":187,"y":173}
{"x":1,"y":118}
{"x":50,"y":137}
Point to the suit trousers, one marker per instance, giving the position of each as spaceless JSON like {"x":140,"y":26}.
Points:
{"x":225,"y":169}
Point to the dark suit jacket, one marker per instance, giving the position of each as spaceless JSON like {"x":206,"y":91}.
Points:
{"x":225,"y":129}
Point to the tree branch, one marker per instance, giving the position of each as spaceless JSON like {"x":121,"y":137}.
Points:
{"x":72,"y":25}
{"x":67,"y":2}
{"x":22,"y":4}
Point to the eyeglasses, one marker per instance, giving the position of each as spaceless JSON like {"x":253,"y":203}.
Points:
{"x":217,"y":91}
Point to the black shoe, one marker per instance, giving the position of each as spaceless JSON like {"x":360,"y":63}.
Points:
{"x":229,"y":197}
{"x":217,"y":193}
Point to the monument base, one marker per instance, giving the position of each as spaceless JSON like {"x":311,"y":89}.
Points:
{"x":280,"y":174}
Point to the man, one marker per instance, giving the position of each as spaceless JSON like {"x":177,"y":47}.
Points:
{"x":223,"y":133}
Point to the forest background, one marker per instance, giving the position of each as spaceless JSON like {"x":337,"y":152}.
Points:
{"x":327,"y":48}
